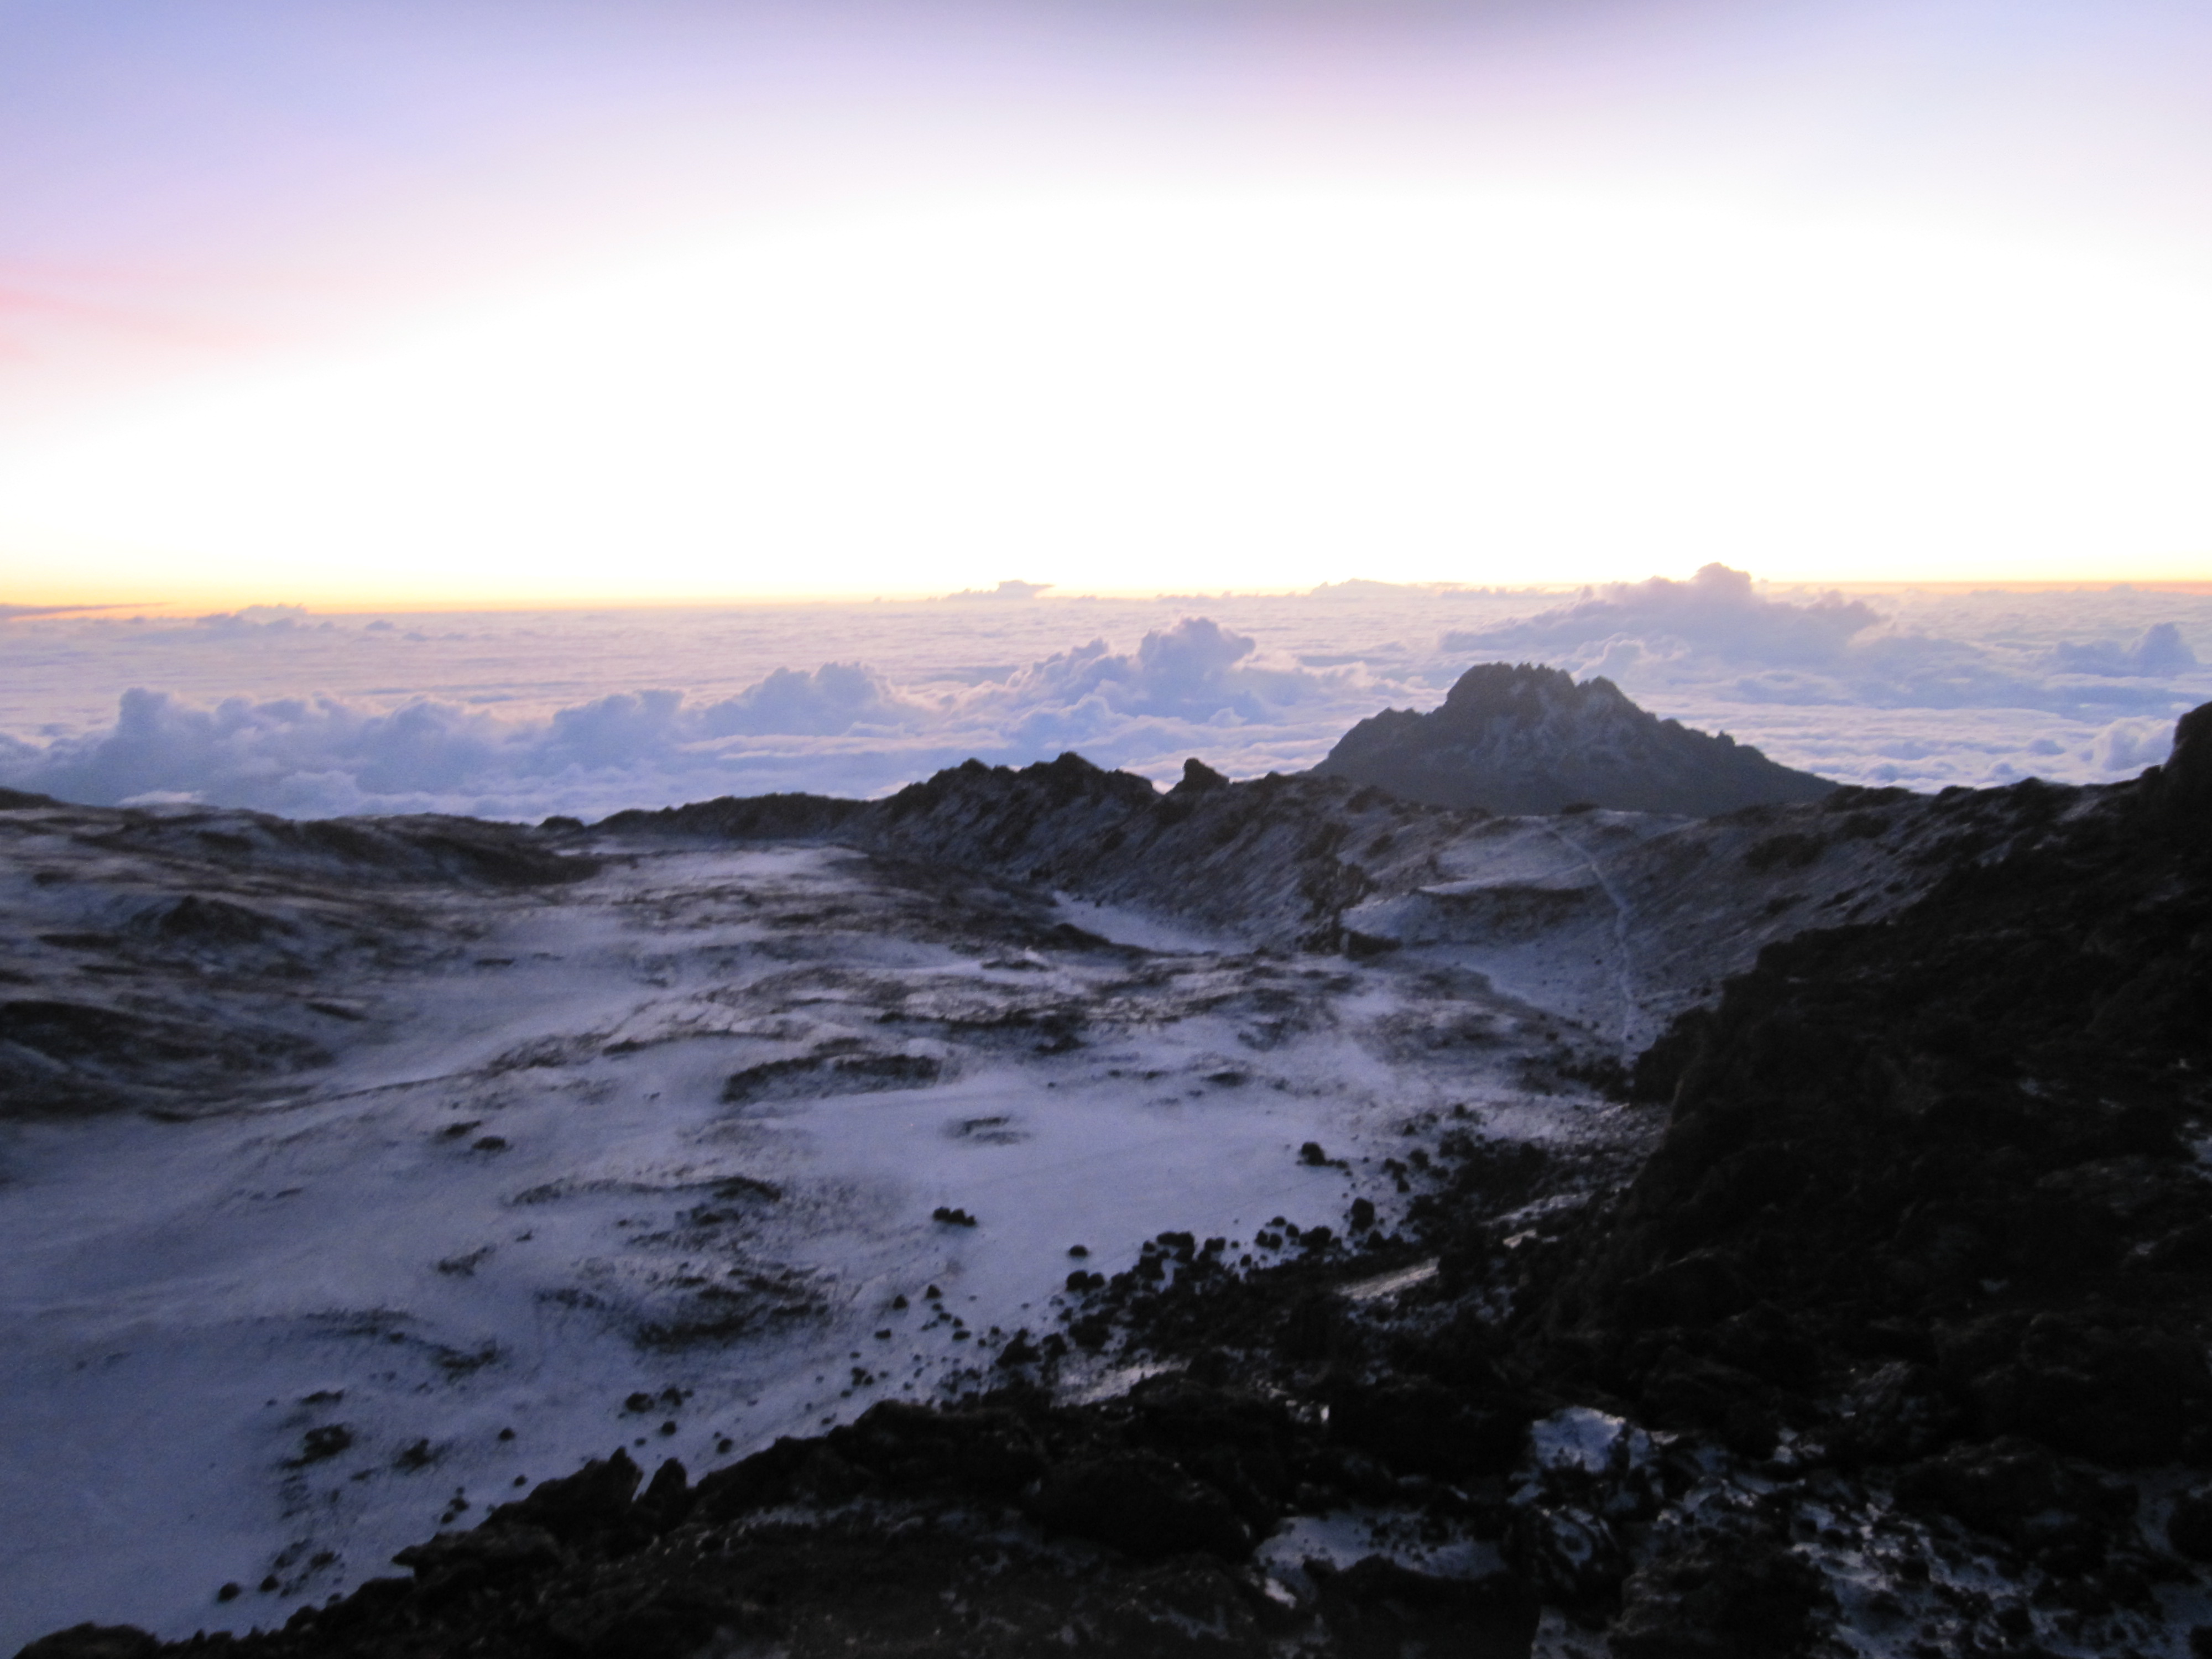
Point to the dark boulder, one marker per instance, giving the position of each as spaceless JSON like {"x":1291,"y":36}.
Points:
{"x":455,"y":1563}
{"x":2189,"y":1525}
{"x":1418,"y":1426}
{"x":1897,"y":1413}
{"x":2118,"y":1388}
{"x":1568,"y":1555}
{"x":596,"y":1499}
{"x":1378,"y":1606}
{"x":211,"y":921}
{"x":2018,"y":1491}
{"x":1719,"y":1598}
{"x":93,"y":1641}
{"x":1141,"y":1503}
{"x":663,"y":1621}
{"x":985,"y":1451}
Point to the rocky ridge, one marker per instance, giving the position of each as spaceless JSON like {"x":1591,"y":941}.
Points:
{"x":1520,"y":738}
{"x":1892,"y":1342}
{"x":129,"y":920}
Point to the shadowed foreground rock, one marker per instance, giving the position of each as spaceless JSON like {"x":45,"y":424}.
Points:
{"x":1006,"y":1529}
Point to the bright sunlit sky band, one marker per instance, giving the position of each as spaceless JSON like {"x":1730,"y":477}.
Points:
{"x":379,"y":302}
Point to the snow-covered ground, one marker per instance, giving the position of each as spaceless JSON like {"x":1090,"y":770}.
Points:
{"x":677,"y":1131}
{"x":516,"y":1171}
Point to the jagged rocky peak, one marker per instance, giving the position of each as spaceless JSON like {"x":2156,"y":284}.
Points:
{"x":1197,"y":778}
{"x":2180,"y":792}
{"x":1520,"y":738}
{"x":1520,"y":690}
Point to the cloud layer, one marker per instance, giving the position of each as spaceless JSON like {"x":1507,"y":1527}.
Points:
{"x":1717,"y":613}
{"x":521,"y":716}
{"x":841,"y":728}
{"x":1716,"y":630}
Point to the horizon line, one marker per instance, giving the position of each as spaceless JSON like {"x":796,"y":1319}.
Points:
{"x":232,"y":601}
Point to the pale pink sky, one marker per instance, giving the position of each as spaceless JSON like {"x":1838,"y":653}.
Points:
{"x":199,"y":190}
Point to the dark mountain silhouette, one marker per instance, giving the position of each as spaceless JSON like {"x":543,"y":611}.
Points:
{"x":1519,"y":738}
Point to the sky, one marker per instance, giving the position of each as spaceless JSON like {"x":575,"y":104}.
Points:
{"x":397,"y":304}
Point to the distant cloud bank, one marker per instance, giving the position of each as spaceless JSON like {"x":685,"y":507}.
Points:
{"x":840,"y":728}
{"x":1915,"y":692}
{"x":1716,"y":612}
{"x":1715,"y":632}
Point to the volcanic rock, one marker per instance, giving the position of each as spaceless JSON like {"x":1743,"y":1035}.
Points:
{"x":1522,"y":738}
{"x":1718,"y":1599}
{"x":1870,"y":1307}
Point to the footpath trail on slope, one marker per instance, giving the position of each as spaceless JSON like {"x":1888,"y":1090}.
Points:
{"x":1632,"y":1007}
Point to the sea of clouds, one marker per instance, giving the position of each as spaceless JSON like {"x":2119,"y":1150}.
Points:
{"x":524,"y":714}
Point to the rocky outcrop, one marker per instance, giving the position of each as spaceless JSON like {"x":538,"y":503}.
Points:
{"x":123,"y":991}
{"x":1266,"y":858}
{"x":1929,"y":1202}
{"x":1519,"y":737}
{"x":746,"y":818}
{"x":2179,"y":794}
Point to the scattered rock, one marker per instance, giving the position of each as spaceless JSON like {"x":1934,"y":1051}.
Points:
{"x":414,"y":1456}
{"x":323,"y":1443}
{"x":815,"y":1076}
